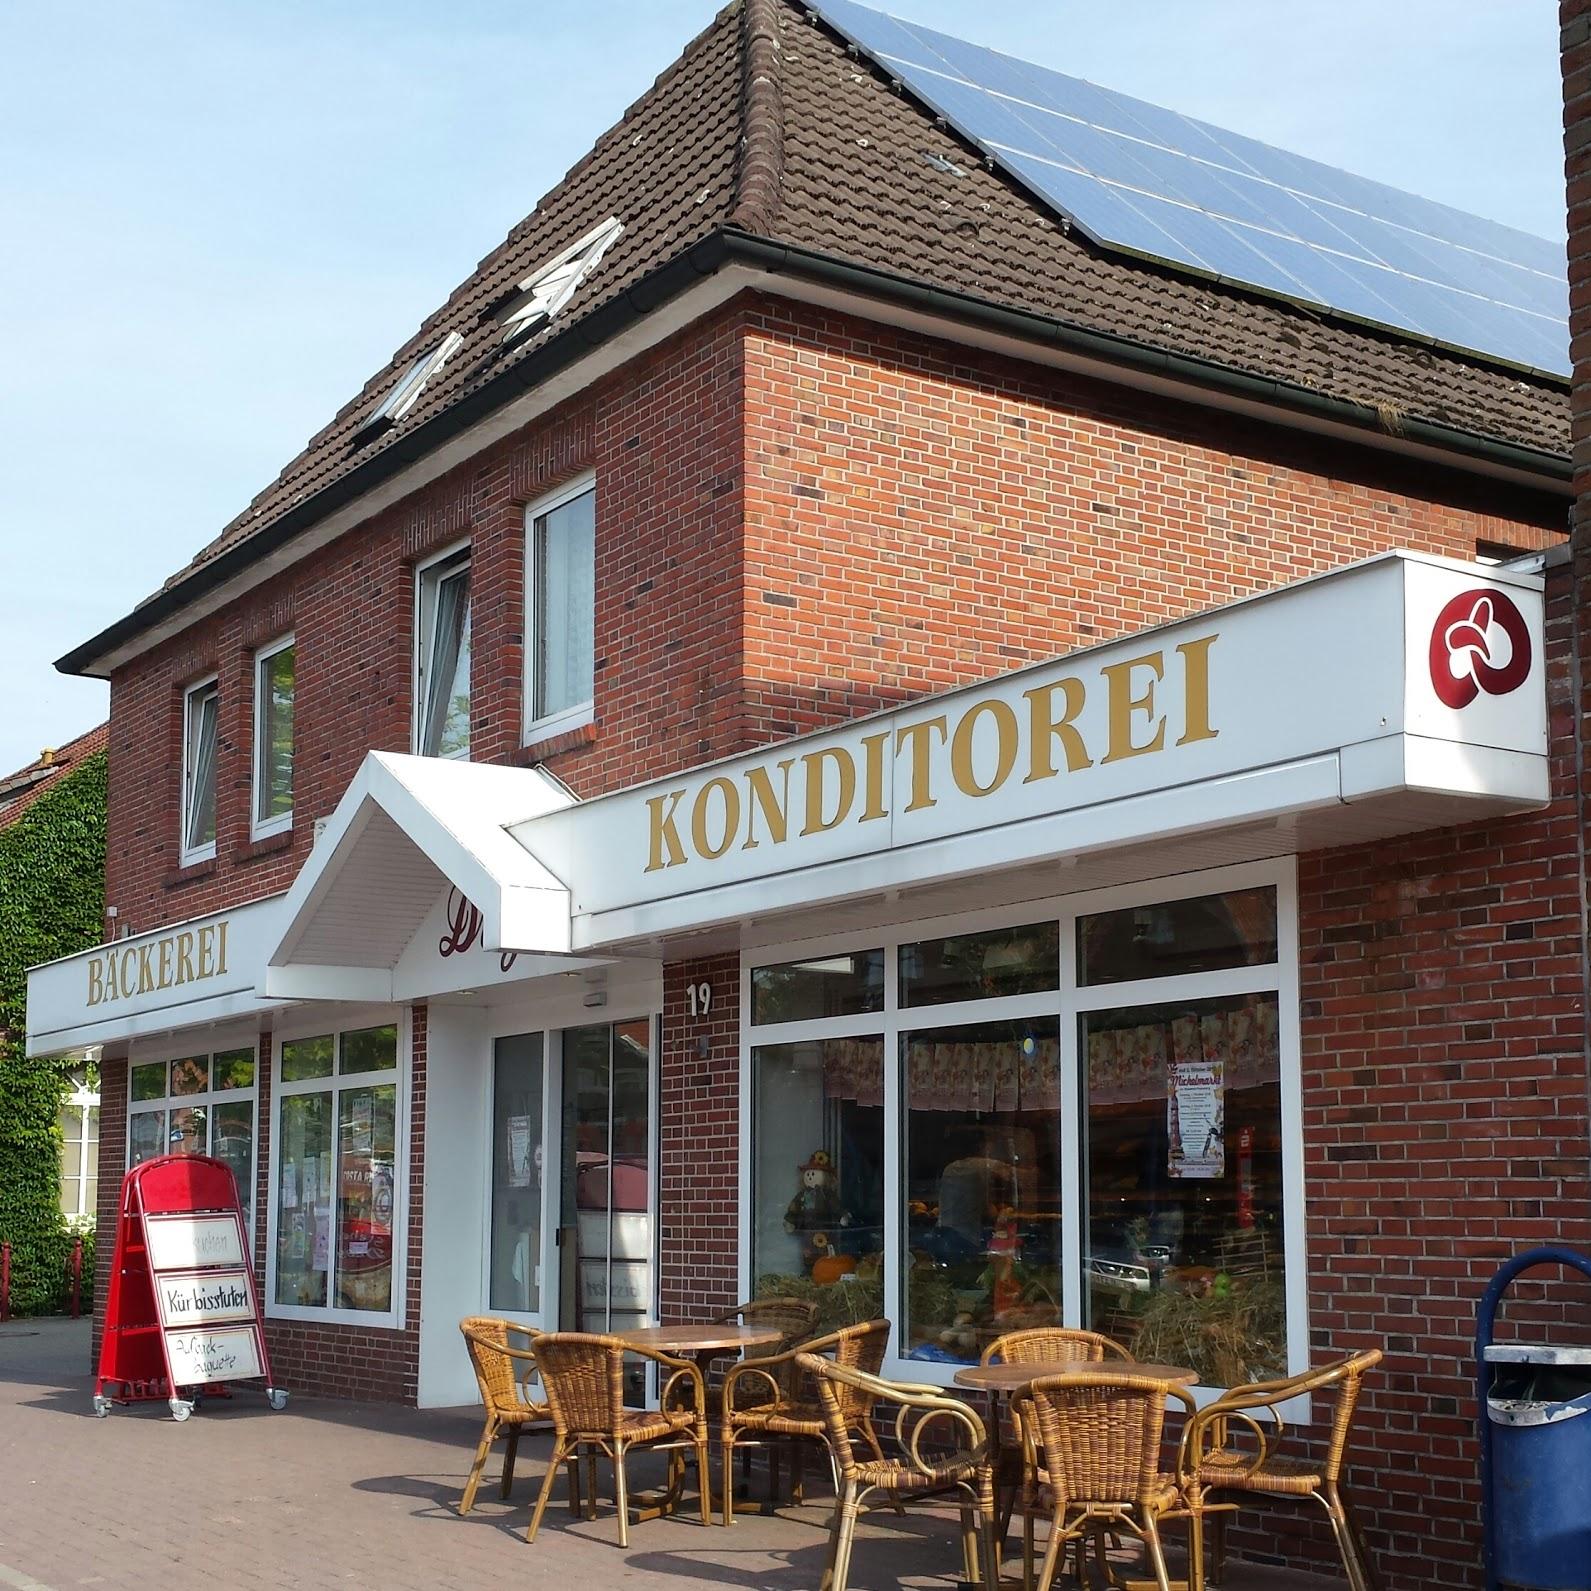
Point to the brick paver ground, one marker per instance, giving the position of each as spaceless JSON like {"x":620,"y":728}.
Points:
{"x":329,"y":1493}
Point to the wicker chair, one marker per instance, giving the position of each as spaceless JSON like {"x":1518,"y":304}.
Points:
{"x":1230,"y":1451}
{"x":498,"y":1369}
{"x":771,"y":1401}
{"x":584,"y":1378}
{"x":793,"y":1318}
{"x":920,"y":1412}
{"x":1046,"y":1344}
{"x":1092,"y":1441}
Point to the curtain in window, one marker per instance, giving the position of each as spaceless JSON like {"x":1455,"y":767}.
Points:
{"x":565,"y":578}
{"x":201,"y":770}
{"x":446,"y":730}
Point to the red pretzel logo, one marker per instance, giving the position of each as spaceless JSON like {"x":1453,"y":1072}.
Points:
{"x":1480,"y":642}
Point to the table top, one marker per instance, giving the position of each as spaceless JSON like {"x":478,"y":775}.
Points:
{"x":699,"y":1339}
{"x":1011,"y":1378}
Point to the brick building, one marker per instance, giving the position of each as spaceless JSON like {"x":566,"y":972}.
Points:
{"x":816,"y":716}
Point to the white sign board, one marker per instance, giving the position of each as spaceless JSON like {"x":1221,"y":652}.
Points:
{"x":191,"y":1242}
{"x":1397,"y":664}
{"x":203,"y":1298}
{"x":230,"y":1353}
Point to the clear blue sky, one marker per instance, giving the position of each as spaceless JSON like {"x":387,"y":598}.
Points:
{"x":218,"y":220}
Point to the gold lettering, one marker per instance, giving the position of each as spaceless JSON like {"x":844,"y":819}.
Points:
{"x":126,"y":973}
{"x":917,"y":737}
{"x":813,"y":764}
{"x":166,"y":949}
{"x":665,"y":836}
{"x":1196,"y":689}
{"x":113,"y":990}
{"x":146,"y":971}
{"x":775,"y":809}
{"x":96,"y":982}
{"x":961,"y":768}
{"x":699,"y":818}
{"x":1121,"y":704}
{"x":185,"y":957}
{"x":206,"y":952}
{"x":220,"y":959}
{"x":1045,"y":729}
{"x":873,"y":776}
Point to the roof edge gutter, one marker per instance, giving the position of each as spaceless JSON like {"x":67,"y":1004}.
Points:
{"x":1553,"y":469}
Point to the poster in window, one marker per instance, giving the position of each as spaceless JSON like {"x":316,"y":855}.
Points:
{"x":1195,"y":1119}
{"x":519,"y":1152}
{"x":319,"y":1259}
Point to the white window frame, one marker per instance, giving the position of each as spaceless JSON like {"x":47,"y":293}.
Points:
{"x":83,"y":1102}
{"x":582,"y":713}
{"x":262,"y":828}
{"x":428,"y":574}
{"x":1069,"y":1002}
{"x":211,"y":1046}
{"x":344,"y":1022}
{"x":206,"y":852}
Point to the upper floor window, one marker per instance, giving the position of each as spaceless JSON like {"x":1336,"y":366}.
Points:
{"x":561,"y":604}
{"x":274,"y":673}
{"x":442,"y":662}
{"x":200,"y":711}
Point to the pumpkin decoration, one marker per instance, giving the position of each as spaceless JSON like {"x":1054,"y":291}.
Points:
{"x":828,"y":1266}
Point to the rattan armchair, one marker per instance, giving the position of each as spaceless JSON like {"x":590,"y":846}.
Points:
{"x":1231,"y":1451}
{"x":770,"y":1401}
{"x":925,"y":1417}
{"x":1046,"y":1344}
{"x":500,"y":1369}
{"x":1091,"y":1440}
{"x":584,"y":1379}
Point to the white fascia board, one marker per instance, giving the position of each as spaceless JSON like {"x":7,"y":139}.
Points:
{"x":169,"y":1019}
{"x":1261,"y":795}
{"x":367,"y":985}
{"x":1396,"y":763}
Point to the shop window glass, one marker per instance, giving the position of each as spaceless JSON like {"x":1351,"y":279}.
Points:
{"x":233,"y":1069}
{"x":847,"y":984}
{"x":148,"y":1082}
{"x":1209,"y":933}
{"x":1183,"y":1168}
{"x":146,"y":1136}
{"x":370,"y":1050}
{"x":983,"y":966}
{"x":307,"y":1058}
{"x":191,"y":1076}
{"x":984,"y":1202}
{"x":232,"y":1140}
{"x":366,"y":1146}
{"x":818,"y":1175}
{"x":516,"y":1174}
{"x":304,"y":1187}
{"x":189,"y":1131}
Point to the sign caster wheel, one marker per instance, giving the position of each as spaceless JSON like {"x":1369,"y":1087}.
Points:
{"x":180,"y":1408}
{"x":276,"y":1397}
{"x":101,"y":1407}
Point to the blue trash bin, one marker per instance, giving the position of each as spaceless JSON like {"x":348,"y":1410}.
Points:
{"x":1538,"y":1408}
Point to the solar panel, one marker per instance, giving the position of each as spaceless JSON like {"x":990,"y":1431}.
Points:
{"x":1136,"y":177}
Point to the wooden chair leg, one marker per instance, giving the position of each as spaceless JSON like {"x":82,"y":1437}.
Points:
{"x":1215,"y":1551}
{"x":728,"y":1446}
{"x":842,"y":1557}
{"x":576,"y":1506}
{"x":704,"y":1478}
{"x":1028,"y":1506}
{"x":970,"y":1554}
{"x":1347,"y":1543}
{"x":826,"y":1581}
{"x":488,"y":1435}
{"x":591,"y":1483}
{"x":546,"y":1489}
{"x":1195,"y":1550}
{"x":621,"y":1493}
{"x":798,"y":1472}
{"x":987,"y":1540}
{"x":1053,"y":1550}
{"x":508,"y":1461}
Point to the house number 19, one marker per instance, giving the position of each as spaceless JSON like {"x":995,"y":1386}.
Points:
{"x":700,"y":998}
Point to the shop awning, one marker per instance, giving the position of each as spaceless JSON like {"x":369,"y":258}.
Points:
{"x":415,"y":885}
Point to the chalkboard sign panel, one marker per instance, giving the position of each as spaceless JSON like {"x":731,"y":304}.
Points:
{"x":202,"y":1298}
{"x":186,"y":1242}
{"x":198,"y":1358}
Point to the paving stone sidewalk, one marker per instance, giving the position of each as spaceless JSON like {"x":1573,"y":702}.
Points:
{"x":329,"y":1493}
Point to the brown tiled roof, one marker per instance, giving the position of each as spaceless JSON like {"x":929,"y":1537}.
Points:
{"x":768,"y":126}
{"x":19,"y":790}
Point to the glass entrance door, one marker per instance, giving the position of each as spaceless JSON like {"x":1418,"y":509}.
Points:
{"x":514,"y":1285}
{"x":605,"y":1222}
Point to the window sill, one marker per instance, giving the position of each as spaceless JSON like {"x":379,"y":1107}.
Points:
{"x":189,"y":873}
{"x":266,"y":845}
{"x":550,"y":745}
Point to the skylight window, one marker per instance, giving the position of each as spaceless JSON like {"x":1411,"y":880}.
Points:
{"x":549,"y":287}
{"x":411,"y":384}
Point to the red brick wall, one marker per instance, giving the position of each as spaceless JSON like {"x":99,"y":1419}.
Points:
{"x":699,"y":1192}
{"x":920,"y":516}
